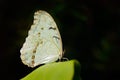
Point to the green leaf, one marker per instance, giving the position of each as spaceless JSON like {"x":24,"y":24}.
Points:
{"x":68,"y":70}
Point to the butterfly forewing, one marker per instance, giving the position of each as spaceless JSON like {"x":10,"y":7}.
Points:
{"x":43,"y":44}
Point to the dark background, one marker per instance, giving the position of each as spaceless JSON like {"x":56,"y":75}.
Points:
{"x":90,"y":31}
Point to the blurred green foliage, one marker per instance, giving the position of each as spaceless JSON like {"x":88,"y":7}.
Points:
{"x":68,"y":70}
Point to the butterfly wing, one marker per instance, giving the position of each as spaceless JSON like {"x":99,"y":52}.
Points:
{"x":43,"y":44}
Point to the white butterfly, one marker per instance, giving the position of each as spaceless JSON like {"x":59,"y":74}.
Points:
{"x":43,"y":43}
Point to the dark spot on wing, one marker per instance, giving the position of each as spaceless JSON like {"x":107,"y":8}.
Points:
{"x":33,"y":57}
{"x":35,"y":19}
{"x":42,"y":28}
{"x":34,"y":51}
{"x":33,"y":62}
{"x":52,"y":28}
{"x":41,"y":42}
{"x":56,"y":37}
{"x":39,"y":34}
